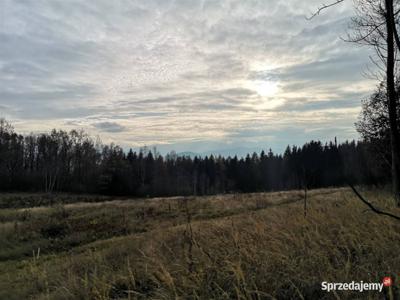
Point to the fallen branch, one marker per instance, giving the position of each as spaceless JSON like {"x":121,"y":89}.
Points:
{"x":373,"y":208}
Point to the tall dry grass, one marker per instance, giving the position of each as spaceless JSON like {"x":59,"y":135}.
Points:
{"x":267,"y":251}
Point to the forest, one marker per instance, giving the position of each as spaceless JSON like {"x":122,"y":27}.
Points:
{"x":62,"y":161}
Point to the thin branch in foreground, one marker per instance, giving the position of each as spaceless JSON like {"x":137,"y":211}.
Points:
{"x":373,"y":208}
{"x":324,"y":6}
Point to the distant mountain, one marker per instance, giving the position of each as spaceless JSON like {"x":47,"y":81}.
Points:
{"x":238,"y":151}
{"x":188,"y":154}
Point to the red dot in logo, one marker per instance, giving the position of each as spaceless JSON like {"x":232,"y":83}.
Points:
{"x":387,"y":281}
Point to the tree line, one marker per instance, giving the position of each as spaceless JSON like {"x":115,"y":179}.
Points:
{"x":62,"y":161}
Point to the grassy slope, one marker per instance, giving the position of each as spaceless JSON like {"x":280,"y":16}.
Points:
{"x":255,"y":246}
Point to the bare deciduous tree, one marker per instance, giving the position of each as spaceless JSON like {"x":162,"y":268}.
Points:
{"x":375,"y":25}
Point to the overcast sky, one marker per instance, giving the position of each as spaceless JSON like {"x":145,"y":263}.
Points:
{"x":188,"y":75}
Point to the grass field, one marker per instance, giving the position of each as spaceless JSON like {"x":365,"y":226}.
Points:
{"x":237,"y":246}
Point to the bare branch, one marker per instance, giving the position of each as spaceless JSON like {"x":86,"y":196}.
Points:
{"x":396,"y":36}
{"x":324,"y":6}
{"x":373,"y":208}
{"x":362,"y":37}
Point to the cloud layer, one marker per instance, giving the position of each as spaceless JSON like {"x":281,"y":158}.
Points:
{"x":185,"y":74}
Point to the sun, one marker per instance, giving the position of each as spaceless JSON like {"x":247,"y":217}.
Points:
{"x":265,"y":88}
{"x":268,"y":92}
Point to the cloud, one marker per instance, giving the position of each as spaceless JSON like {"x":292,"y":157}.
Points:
{"x":109,"y":127}
{"x":178,"y":73}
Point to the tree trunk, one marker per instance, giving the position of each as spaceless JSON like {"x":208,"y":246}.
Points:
{"x":305,"y":200}
{"x":392,"y":104}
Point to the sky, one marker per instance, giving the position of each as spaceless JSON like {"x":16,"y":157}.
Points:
{"x":228,"y":77}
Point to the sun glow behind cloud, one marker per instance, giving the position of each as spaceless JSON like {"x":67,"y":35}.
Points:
{"x":266,"y":88}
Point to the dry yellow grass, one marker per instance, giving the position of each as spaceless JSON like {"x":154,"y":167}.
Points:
{"x":264,"y":248}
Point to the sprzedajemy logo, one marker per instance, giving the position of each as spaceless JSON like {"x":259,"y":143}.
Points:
{"x":360,"y":286}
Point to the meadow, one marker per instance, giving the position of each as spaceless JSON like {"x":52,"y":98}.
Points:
{"x":232,"y":246}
